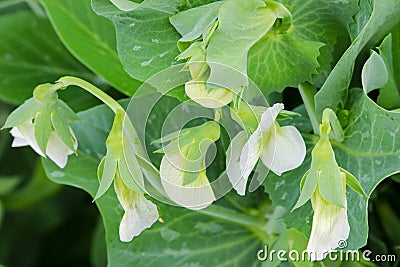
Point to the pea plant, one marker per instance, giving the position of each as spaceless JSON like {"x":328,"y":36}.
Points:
{"x":212,"y":133}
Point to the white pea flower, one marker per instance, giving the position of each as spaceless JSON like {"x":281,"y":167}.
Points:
{"x":139,"y":215}
{"x":120,"y":166}
{"x":325,"y":184}
{"x":280,"y":149}
{"x":43,"y":122}
{"x":330,"y":225}
{"x":182,"y":170}
{"x":195,"y":195}
{"x":56,"y":150}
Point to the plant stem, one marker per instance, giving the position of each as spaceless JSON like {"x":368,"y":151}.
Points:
{"x":36,"y":8}
{"x":106,"y":99}
{"x":307,"y":92}
{"x":234,"y":217}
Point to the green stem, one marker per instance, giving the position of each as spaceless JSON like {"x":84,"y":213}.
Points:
{"x":234,"y":217}
{"x":308,"y":92}
{"x":36,"y":8}
{"x":106,"y":99}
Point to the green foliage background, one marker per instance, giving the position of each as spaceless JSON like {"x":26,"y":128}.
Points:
{"x":46,"y":221}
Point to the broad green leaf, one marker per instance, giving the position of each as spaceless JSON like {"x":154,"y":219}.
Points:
{"x":374,"y":73}
{"x":91,"y":39}
{"x":147,"y":42}
{"x":31,"y":54}
{"x":185,"y":238}
{"x":283,"y":60}
{"x":242,"y":23}
{"x":125,"y":5}
{"x":98,"y":252}
{"x":370,"y":151}
{"x":361,"y":18}
{"x":396,"y":52}
{"x":389,"y":96}
{"x":333,"y":94}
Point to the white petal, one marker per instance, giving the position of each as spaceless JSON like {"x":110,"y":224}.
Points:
{"x":269,"y":116}
{"x":251,"y":153}
{"x":233,"y":163}
{"x":19,"y":142}
{"x":329,"y":228}
{"x":196,"y":195}
{"x":215,"y":98}
{"x":57,"y":150}
{"x":26,"y":131}
{"x":140,"y":213}
{"x":284,"y":150}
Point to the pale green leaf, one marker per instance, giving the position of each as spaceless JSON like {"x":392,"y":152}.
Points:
{"x":31,"y":54}
{"x":91,"y":39}
{"x":147,"y":42}
{"x":374,"y":73}
{"x":389,"y":96}
{"x":305,"y":50}
{"x":241,"y":25}
{"x":333,"y":94}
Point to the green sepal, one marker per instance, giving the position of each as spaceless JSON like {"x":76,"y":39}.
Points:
{"x":287,"y":115}
{"x":353,"y":183}
{"x":62,"y":128}
{"x":329,"y":175}
{"x":248,"y":116}
{"x":147,"y":166}
{"x":192,"y":23}
{"x":43,"y":128}
{"x":308,"y":185}
{"x":130,"y":175}
{"x":171,"y":137}
{"x":24,"y":113}
{"x":66,"y":112}
{"x":106,"y":172}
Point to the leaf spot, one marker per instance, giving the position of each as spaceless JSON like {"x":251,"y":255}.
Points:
{"x":146,"y":63}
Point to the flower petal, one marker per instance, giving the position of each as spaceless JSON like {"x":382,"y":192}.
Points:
{"x":57,"y":151}
{"x":330,"y":227}
{"x":269,"y":116}
{"x":284,"y":150}
{"x":26,"y":131}
{"x":19,"y":142}
{"x":140,"y":213}
{"x":233,"y":163}
{"x":251,"y":153}
{"x":196,"y":195}
{"x":215,"y":98}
